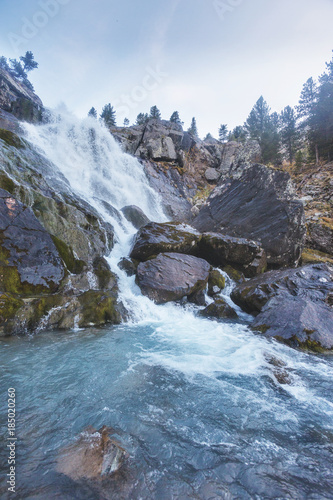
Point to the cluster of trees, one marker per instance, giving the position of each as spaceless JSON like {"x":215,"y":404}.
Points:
{"x":303,"y":132}
{"x":20,"y":68}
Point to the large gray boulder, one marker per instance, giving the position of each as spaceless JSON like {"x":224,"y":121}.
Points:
{"x":172,"y":276}
{"x":292,"y":305}
{"x":260,"y":205}
{"x":29,"y":260}
{"x":155,"y":238}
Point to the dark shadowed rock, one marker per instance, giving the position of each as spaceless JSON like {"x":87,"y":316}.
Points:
{"x":292,"y":305}
{"x":135,"y":215}
{"x":320,"y":236}
{"x":259,"y":205}
{"x":30,"y":262}
{"x":94,"y":456}
{"x":221,"y":250}
{"x":128,"y":265}
{"x":156,"y":238}
{"x":172,"y":276}
{"x":219,"y":309}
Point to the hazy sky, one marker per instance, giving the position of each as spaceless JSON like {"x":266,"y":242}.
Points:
{"x":211,"y":59}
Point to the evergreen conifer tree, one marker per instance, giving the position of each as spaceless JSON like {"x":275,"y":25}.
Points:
{"x":92,"y":112}
{"x":155,"y":113}
{"x":193,"y":128}
{"x":223,"y":133}
{"x":108,"y":115}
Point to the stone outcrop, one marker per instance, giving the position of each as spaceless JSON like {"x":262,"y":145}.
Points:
{"x":18,"y":99}
{"x":260,"y":205}
{"x":292,"y":305}
{"x":172,"y":276}
{"x":157,"y":238}
{"x":320,"y":235}
{"x":54,"y":274}
{"x":219,"y":250}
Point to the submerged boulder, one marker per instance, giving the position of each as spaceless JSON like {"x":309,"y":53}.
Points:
{"x":260,"y":205}
{"x":155,"y":238}
{"x":292,"y":305}
{"x":172,"y":276}
{"x":94,"y":456}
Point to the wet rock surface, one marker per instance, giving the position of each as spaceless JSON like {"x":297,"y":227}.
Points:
{"x":156,"y":238}
{"x":260,"y":205}
{"x":96,"y":455}
{"x":30,"y":262}
{"x":293,"y":305}
{"x":172,"y":276}
{"x":135,"y":215}
{"x":219,"y":309}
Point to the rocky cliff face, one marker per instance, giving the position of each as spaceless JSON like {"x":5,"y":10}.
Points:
{"x":182,"y":168}
{"x":18,"y":99}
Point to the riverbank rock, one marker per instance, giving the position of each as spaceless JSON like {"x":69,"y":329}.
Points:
{"x":172,"y":276}
{"x":96,"y":455}
{"x":155,"y":238}
{"x":260,"y":205}
{"x":320,"y":235}
{"x":292,"y":305}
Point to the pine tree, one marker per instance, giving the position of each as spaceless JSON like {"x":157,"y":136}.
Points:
{"x":263,"y":127}
{"x":92,"y":112}
{"x":208,"y":137}
{"x":306,"y":111}
{"x":108,"y":115}
{"x":193,"y":128}
{"x":28,"y":61}
{"x":289,"y":132}
{"x":175,"y":118}
{"x":17,"y":69}
{"x":238,"y":134}
{"x":155,"y":113}
{"x":4,"y":63}
{"x":142,"y":118}
{"x":223,"y":133}
{"x":126,"y":122}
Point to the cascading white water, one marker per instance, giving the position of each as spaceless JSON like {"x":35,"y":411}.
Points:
{"x":201,"y":412}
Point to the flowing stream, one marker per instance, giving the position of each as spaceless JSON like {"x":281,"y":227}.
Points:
{"x":197,"y":403}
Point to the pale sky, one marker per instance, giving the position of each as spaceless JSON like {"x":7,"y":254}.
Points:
{"x":211,"y":59}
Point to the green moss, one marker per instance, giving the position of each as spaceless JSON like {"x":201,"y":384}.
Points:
{"x":261,"y":328}
{"x":106,"y":278}
{"x":6,"y":183}
{"x":216,"y":279}
{"x":98,"y":309}
{"x":11,"y":139}
{"x":41,"y":307}
{"x":9,"y":305}
{"x":74,"y":265}
{"x":235,"y":275}
{"x":310,"y":256}
{"x":10,"y":282}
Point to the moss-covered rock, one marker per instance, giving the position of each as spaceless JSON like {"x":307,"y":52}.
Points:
{"x":98,"y":308}
{"x":74,"y":266}
{"x":11,"y":139}
{"x":216,"y":282}
{"x":219,"y":309}
{"x":9,"y":305}
{"x":234,"y":274}
{"x":107,"y":280}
